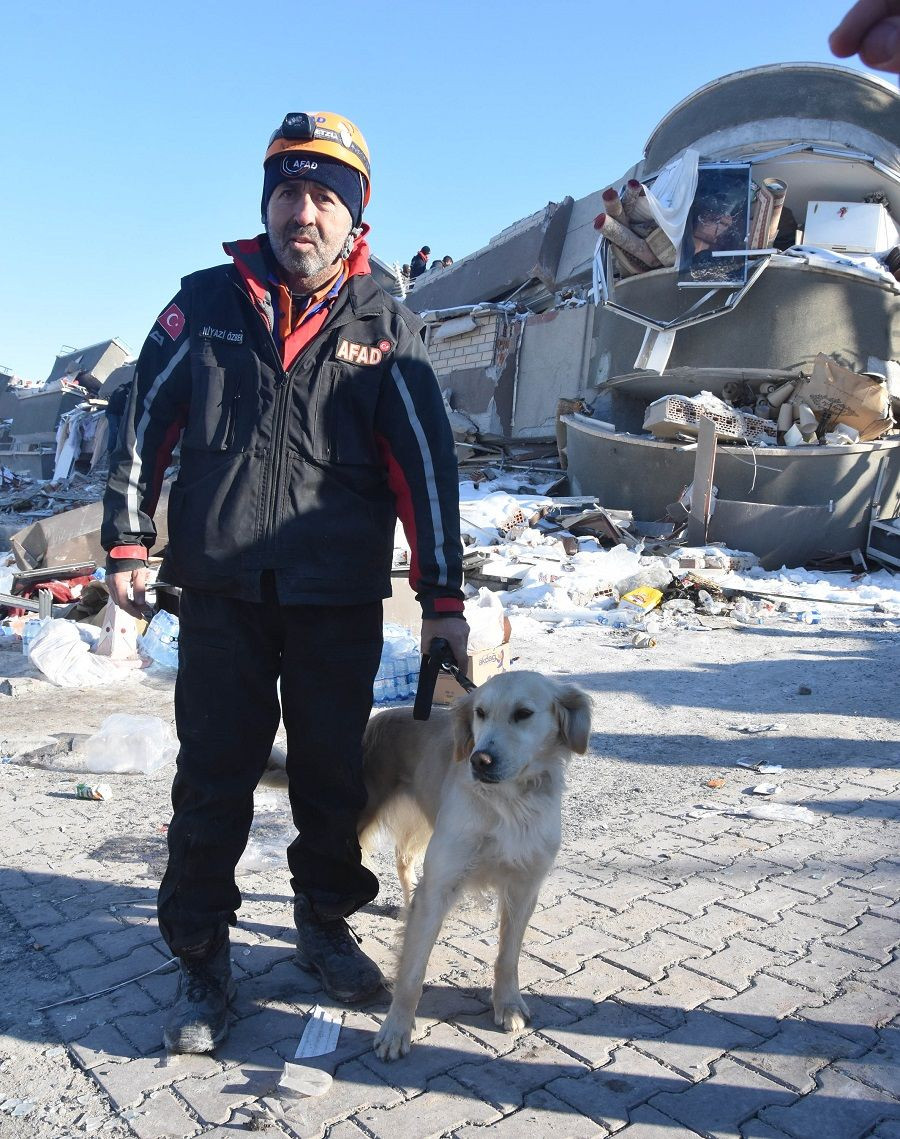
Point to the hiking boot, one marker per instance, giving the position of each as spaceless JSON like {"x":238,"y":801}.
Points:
{"x":328,"y":947}
{"x":199,"y":1018}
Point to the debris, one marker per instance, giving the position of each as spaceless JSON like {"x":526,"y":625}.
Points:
{"x":128,"y":744}
{"x":641,"y":600}
{"x":781,"y":812}
{"x":760,"y":767}
{"x":715,"y":783}
{"x":804,"y":690}
{"x":755,"y":730}
{"x":99,"y":791}
{"x":320,"y":1035}
{"x":765,"y":789}
{"x":299,"y":1081}
{"x":643,"y":641}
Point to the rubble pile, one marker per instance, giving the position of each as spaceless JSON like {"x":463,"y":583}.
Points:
{"x":827,"y":405}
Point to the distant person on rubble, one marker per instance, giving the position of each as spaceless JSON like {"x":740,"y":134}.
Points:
{"x":310,"y":418}
{"x":871,"y":29}
{"x":419,"y":263}
{"x":447,"y":261}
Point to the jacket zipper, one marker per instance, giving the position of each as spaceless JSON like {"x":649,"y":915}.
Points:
{"x":282,"y":402}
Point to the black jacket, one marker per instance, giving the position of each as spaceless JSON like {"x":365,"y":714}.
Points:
{"x":418,"y":265}
{"x":301,"y":472}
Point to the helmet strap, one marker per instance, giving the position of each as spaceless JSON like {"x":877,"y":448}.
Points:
{"x":351,"y":237}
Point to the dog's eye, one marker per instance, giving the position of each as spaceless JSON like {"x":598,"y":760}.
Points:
{"x":522,"y":714}
{"x":479,"y":712}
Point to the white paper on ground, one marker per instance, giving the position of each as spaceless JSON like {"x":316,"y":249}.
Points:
{"x":320,"y":1036}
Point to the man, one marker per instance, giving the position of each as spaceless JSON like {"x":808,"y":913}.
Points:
{"x":419,"y":263}
{"x":309,"y":419}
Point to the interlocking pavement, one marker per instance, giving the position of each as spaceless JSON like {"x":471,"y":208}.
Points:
{"x":693,"y":974}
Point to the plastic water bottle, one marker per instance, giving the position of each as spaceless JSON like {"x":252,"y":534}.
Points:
{"x":30,"y":630}
{"x":399,"y":667}
{"x":160,"y":641}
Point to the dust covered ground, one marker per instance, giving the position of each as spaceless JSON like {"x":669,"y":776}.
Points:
{"x":79,"y":879}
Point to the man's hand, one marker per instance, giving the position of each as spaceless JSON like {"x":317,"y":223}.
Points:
{"x":118,"y":584}
{"x":871,"y":29}
{"x":454,"y":630}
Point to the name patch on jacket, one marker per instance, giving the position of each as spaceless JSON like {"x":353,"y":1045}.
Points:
{"x":361,"y":353}
{"x":222,"y":334}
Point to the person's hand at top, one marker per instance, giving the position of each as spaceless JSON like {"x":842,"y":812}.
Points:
{"x":871,"y":29}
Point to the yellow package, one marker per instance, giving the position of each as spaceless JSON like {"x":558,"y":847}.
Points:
{"x":641,"y":600}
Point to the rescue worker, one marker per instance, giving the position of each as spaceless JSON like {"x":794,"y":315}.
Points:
{"x":419,"y":263}
{"x":309,"y":418}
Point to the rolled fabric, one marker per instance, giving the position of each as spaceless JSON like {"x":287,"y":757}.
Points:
{"x":612,"y":203}
{"x":622,"y":237}
{"x":778,"y":190}
{"x":634,"y":202}
{"x":628,"y":266}
{"x":662,"y":247}
{"x":761,"y":219}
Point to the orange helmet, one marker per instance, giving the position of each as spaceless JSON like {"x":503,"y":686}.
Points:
{"x":324,"y":132}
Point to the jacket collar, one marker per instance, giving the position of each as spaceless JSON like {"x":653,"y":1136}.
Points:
{"x":255,"y":264}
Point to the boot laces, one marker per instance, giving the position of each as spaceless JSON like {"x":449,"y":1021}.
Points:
{"x":199,"y":981}
{"x":336,"y":932}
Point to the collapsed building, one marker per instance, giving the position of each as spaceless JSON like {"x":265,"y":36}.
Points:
{"x":777,"y":324}
{"x":69,"y":402}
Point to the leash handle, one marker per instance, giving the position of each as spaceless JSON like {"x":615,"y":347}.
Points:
{"x":439,"y":658}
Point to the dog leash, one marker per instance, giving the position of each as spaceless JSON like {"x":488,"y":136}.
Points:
{"x":438,"y":659}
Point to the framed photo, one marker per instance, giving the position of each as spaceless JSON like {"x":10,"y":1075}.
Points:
{"x":716,"y":233}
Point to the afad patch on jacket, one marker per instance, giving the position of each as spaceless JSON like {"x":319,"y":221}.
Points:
{"x":354,"y":353}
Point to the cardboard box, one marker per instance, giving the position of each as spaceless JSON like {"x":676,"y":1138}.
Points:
{"x":838,"y":395}
{"x":480,"y":666}
{"x":402,"y":608}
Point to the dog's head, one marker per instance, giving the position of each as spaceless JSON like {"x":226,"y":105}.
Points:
{"x":519,"y":724}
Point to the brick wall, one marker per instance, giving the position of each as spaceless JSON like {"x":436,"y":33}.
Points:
{"x":470,"y":350}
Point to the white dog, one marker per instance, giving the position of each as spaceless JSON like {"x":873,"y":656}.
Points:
{"x":484,"y":783}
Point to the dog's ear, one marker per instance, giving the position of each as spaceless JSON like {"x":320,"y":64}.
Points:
{"x":463,"y":740}
{"x":573,"y":713}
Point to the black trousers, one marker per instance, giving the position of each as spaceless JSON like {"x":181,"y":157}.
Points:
{"x":232,"y":657}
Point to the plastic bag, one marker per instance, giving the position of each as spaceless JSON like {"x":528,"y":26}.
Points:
{"x":64,"y":656}
{"x":130,"y":744}
{"x":485,"y":616}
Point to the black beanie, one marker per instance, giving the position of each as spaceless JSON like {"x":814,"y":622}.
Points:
{"x":343,"y":180}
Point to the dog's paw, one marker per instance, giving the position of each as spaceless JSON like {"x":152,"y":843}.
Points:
{"x":511,"y":1015}
{"x":393,"y":1039}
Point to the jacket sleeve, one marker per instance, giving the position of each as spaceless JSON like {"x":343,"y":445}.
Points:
{"x":418,"y":450}
{"x":154,"y":418}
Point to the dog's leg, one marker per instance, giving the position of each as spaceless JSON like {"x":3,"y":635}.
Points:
{"x":406,"y":862}
{"x":517,"y":902}
{"x":434,"y":896}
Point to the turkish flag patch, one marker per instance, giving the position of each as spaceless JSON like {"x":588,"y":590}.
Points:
{"x":385,"y":345}
{"x":172,"y":321}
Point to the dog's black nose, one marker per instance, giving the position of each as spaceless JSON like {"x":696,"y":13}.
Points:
{"x":483,"y":766}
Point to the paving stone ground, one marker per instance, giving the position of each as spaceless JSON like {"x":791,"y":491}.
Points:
{"x":690,"y":972}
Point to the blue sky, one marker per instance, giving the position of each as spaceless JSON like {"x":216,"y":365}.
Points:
{"x":132,"y":134}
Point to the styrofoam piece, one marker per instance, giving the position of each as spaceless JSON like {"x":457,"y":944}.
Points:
{"x":301,"y":1081}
